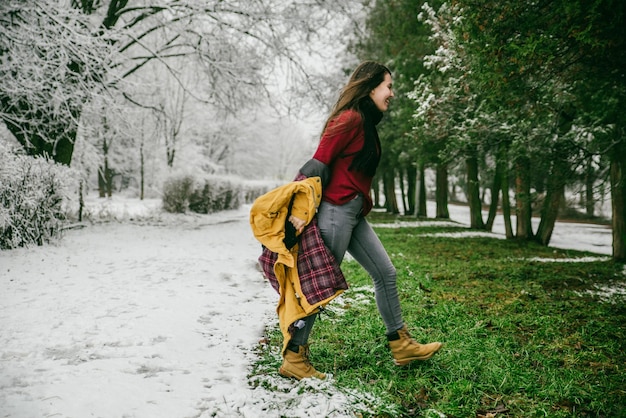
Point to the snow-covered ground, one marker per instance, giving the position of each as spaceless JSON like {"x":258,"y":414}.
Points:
{"x":158,"y":317}
{"x":144,"y":319}
{"x":567,"y":235}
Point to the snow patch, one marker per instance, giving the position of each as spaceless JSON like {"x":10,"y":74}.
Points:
{"x":568,"y":260}
{"x":608,"y":293}
{"x":416,"y":224}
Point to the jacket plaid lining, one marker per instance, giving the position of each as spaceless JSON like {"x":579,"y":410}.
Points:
{"x":319,"y":274}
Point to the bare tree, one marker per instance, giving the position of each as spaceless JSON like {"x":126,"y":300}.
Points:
{"x":49,"y":64}
{"x":55,"y":57}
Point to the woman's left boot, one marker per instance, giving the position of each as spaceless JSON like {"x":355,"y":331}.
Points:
{"x":297,"y":364}
{"x":405,"y":349}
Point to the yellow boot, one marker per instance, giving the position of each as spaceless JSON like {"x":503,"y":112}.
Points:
{"x":405,"y":349}
{"x":297,"y":365}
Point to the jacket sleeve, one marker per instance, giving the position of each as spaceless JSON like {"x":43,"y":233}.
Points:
{"x":316,"y":168}
{"x":305,"y":204}
{"x":268,"y":213}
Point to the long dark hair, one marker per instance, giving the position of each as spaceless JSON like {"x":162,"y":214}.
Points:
{"x":356,"y":96}
{"x":365,"y":78}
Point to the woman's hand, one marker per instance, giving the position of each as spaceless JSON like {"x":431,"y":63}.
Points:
{"x":297,"y":223}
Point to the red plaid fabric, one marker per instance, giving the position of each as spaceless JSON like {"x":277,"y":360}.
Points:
{"x":267,"y":259}
{"x":320,"y":275}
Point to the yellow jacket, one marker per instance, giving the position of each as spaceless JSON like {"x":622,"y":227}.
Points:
{"x":267,"y":219}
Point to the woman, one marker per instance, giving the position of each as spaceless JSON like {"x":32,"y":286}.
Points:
{"x":350,"y":149}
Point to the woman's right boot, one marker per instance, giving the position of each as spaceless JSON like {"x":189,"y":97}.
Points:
{"x":297,"y":364}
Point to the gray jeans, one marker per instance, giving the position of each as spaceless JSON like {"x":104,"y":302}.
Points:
{"x":343,"y":229}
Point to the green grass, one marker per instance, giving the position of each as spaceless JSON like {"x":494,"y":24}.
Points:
{"x":522,"y":338}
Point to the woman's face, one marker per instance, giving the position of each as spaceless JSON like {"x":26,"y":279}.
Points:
{"x":382,"y":94}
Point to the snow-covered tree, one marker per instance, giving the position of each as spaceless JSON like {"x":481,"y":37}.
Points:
{"x":56,"y":56}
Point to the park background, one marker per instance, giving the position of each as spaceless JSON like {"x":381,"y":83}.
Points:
{"x":193,"y":108}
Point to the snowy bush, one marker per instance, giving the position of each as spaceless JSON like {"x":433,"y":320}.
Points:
{"x":177,"y":193}
{"x":253,"y":189}
{"x":213,"y":194}
{"x":32,"y":192}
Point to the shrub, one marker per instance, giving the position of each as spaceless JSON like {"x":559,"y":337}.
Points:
{"x":177,"y":192}
{"x":216,"y":194}
{"x":253,"y":189}
{"x":200,"y":199}
{"x":32,"y":193}
{"x":213,"y":194}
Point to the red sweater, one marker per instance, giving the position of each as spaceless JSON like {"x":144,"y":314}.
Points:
{"x":337,"y":149}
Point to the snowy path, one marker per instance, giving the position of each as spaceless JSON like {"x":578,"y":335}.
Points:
{"x":126,"y":320}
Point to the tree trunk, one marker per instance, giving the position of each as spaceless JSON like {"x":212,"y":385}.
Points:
{"x":503,"y":153}
{"x":402,"y":192}
{"x":452,"y":193}
{"x":495,"y":192}
{"x":391,"y":203}
{"x":618,"y":200}
{"x":101,"y":182}
{"x":421,"y":192}
{"x":522,"y":198}
{"x":142,"y":171}
{"x":589,"y":182}
{"x":473,"y":193}
{"x":506,"y":203}
{"x":81,"y":201}
{"x":105,"y":179}
{"x":442,"y":191}
{"x":555,"y":190}
{"x":170,"y":152}
{"x":105,"y":176}
{"x":108,"y":177}
{"x":64,"y":148}
{"x":376,"y":192}
{"x":411,"y":179}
